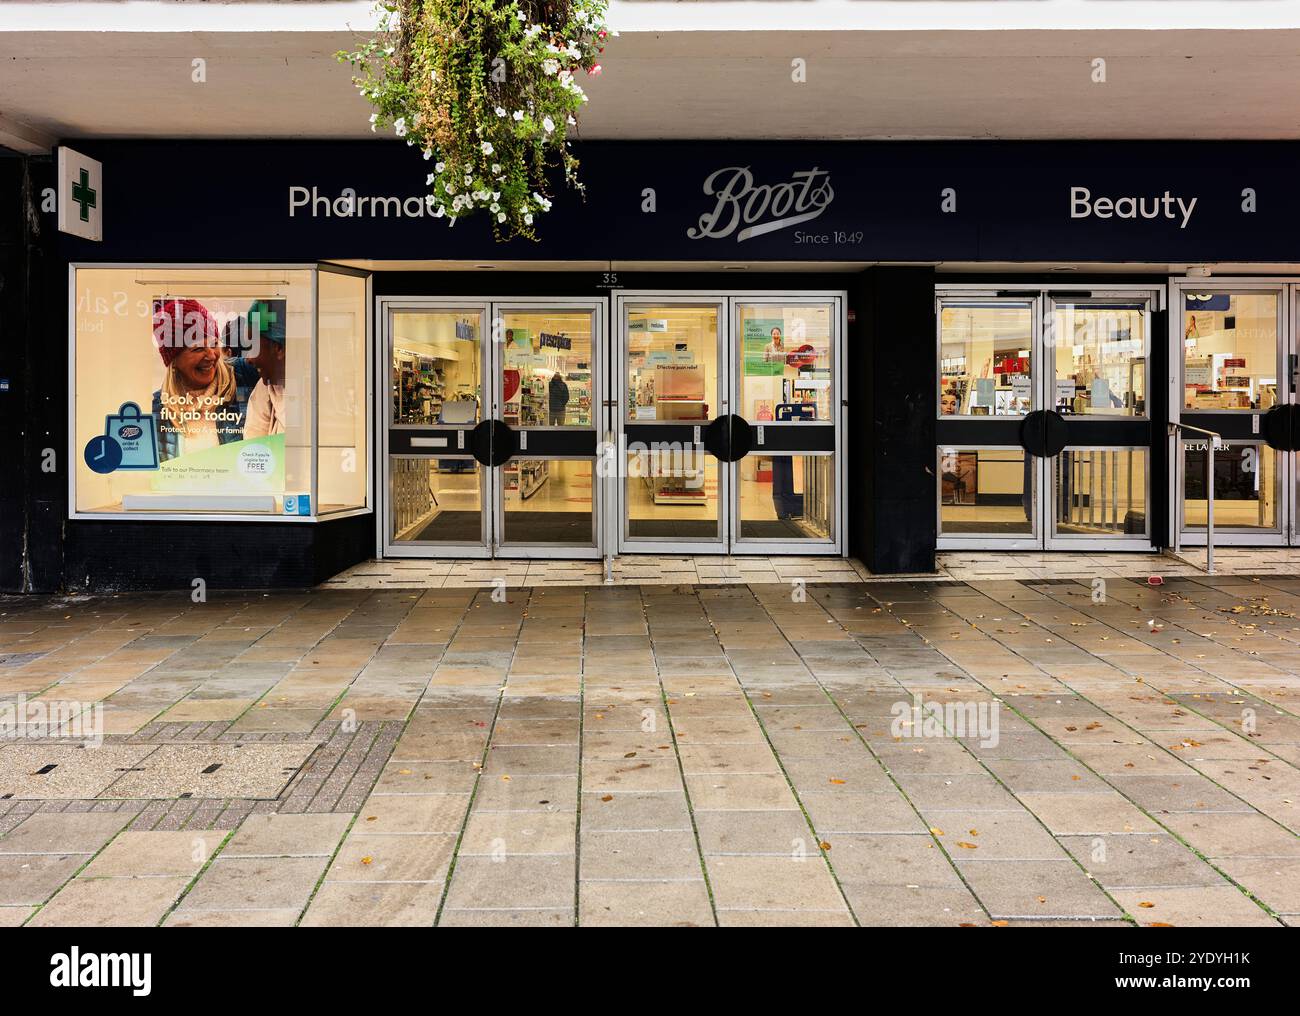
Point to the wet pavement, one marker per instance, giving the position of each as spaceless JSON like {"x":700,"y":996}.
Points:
{"x":1034,"y":751}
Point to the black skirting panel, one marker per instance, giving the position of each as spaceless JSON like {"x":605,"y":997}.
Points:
{"x":101,"y":556}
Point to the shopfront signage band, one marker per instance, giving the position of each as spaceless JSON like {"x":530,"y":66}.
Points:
{"x":1155,"y":202}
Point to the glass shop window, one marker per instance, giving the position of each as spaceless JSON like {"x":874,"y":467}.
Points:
{"x":231,"y":392}
{"x":1230,"y":351}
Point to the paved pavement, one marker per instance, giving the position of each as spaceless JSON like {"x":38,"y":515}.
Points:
{"x":1045,"y":751}
{"x":754,"y":569}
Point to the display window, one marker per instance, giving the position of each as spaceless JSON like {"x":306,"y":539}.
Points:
{"x":785,"y":362}
{"x":985,"y":359}
{"x":546,"y":368}
{"x":786,"y":497}
{"x":1101,"y":358}
{"x":239,"y":391}
{"x":435,"y":366}
{"x":986,"y":492}
{"x":672,"y":363}
{"x":1100,"y":492}
{"x":1230,"y":350}
{"x":1246,"y":486}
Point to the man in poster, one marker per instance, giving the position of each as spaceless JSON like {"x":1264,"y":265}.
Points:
{"x":266,"y":403}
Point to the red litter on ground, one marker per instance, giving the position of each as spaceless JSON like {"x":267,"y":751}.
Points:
{"x":1155,"y":580}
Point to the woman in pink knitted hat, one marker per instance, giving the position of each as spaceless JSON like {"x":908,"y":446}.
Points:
{"x":203,"y":399}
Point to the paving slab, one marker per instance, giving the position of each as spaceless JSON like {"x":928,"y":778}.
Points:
{"x":377,"y":905}
{"x":156,"y":853}
{"x":644,"y":904}
{"x":110,"y":903}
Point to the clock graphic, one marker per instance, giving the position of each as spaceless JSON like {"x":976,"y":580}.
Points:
{"x":103,"y":454}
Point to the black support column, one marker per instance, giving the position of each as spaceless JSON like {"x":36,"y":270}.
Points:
{"x":890,"y":387}
{"x":33,"y":372}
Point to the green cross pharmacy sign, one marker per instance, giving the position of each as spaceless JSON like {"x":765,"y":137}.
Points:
{"x":81,"y":198}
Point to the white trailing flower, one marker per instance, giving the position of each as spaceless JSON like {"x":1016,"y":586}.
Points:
{"x":550,"y":66}
{"x":496,"y":169}
{"x":399,"y":125}
{"x":501,"y":216}
{"x":487,"y":148}
{"x":374,"y":121}
{"x":548,"y":124}
{"x":517,"y":115}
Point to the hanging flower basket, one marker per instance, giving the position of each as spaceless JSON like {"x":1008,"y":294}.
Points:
{"x":488,"y":92}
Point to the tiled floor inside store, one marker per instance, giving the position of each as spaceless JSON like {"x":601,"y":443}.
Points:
{"x":1003,"y":751}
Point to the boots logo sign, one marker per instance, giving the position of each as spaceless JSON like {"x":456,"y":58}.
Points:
{"x":755,"y":209}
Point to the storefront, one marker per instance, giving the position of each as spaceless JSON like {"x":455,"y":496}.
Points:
{"x":277,"y":366}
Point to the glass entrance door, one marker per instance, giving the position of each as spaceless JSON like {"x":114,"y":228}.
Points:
{"x":1044,"y":425}
{"x":672,"y":489}
{"x":729,"y":418}
{"x":493,"y":410}
{"x":1236,"y":377}
{"x":546,"y":379}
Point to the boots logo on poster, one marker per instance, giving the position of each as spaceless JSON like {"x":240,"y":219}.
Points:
{"x":756,"y":209}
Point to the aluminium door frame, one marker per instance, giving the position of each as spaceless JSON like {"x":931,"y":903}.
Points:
{"x":1141,"y":543}
{"x":1035,"y":297}
{"x":615,"y":473}
{"x":838,"y":299}
{"x":600,"y":331}
{"x":1285,"y":533}
{"x":1041,"y":296}
{"x":385,"y":306}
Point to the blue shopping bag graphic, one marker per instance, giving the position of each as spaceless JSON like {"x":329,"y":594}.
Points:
{"x":135,"y":433}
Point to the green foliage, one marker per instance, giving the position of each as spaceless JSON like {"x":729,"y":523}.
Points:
{"x":487,"y":91}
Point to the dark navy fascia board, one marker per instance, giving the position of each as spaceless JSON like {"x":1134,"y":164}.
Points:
{"x":925,"y":201}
